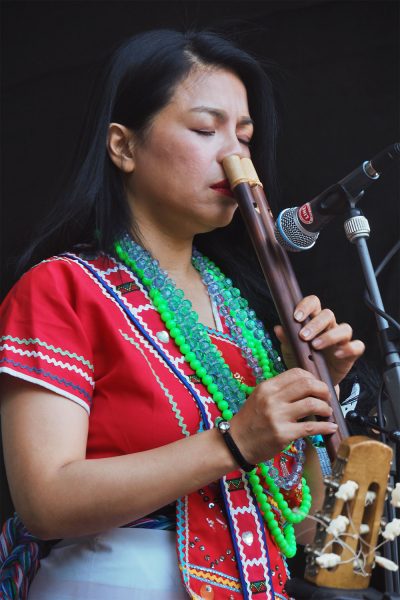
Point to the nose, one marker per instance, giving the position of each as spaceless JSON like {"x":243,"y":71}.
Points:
{"x":232,"y":145}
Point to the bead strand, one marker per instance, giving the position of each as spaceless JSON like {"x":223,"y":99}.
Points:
{"x":207,"y":362}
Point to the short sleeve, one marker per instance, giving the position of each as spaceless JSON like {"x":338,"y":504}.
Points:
{"x":43,"y":338}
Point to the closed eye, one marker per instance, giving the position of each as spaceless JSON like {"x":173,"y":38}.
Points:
{"x":210,"y":133}
{"x":204,"y":132}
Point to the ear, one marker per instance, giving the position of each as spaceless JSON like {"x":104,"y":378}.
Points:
{"x":120,"y":146}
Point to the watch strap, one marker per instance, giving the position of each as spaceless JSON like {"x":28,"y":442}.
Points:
{"x":234,"y":450}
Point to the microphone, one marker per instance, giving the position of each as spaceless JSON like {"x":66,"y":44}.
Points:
{"x":298,"y":228}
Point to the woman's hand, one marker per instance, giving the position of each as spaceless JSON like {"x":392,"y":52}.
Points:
{"x":324,"y":333}
{"x":269,"y":419}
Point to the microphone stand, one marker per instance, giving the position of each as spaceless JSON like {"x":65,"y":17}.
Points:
{"x":357,"y":232}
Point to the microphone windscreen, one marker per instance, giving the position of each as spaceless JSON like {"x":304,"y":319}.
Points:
{"x":290,"y":234}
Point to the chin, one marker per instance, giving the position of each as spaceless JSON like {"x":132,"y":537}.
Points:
{"x":218,"y":223}
{"x":227,"y":216}
{"x":215,"y":218}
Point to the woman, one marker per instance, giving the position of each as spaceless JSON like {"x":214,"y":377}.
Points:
{"x":127,"y":361}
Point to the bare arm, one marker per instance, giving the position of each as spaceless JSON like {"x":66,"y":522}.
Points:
{"x":59,"y":493}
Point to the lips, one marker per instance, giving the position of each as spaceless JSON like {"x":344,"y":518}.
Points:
{"x":223,"y":187}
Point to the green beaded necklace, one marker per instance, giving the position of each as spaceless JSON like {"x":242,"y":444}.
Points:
{"x":194,"y":342}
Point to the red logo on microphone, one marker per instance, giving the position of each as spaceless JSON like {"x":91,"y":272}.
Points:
{"x":305,"y":214}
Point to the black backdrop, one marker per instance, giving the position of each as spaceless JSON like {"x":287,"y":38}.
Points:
{"x":340,"y":89}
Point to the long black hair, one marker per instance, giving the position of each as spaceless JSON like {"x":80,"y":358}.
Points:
{"x":138,"y":82}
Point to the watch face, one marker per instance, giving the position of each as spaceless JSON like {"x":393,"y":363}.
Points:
{"x":224,"y":426}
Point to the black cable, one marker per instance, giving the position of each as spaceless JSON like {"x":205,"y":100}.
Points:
{"x":387,"y":258}
{"x":380,"y":312}
{"x":381,"y":418}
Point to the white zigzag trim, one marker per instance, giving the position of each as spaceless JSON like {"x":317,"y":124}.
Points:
{"x":238,"y":537}
{"x":265,"y":558}
{"x":171,"y":400}
{"x":242,"y":510}
{"x":175,"y":361}
{"x":48,"y":359}
{"x":206,"y":401}
{"x":140,"y":309}
{"x":52,"y":259}
{"x":254,"y":562}
{"x":245,"y":561}
{"x":109,"y":271}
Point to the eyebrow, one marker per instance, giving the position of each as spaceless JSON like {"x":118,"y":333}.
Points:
{"x":220,"y":114}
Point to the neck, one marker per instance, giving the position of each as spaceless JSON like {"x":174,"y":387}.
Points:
{"x":174,"y":255}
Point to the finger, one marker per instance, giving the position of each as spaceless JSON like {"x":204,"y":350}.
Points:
{"x":286,"y":346}
{"x":297,"y":384}
{"x":308,"y":407}
{"x":281,"y":335}
{"x":306,"y":428}
{"x":309,"y":306}
{"x":353,"y":349}
{"x":340,"y":334}
{"x":286,"y":378}
{"x":323,"y":321}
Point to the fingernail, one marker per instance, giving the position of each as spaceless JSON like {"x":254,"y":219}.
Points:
{"x":298,"y":315}
{"x":317,"y":342}
{"x":339,"y":353}
{"x":305,"y":332}
{"x":333,"y":426}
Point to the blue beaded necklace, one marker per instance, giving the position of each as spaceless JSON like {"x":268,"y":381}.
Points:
{"x":206,"y":360}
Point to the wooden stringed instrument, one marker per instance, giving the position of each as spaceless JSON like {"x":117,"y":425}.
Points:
{"x":358,"y":459}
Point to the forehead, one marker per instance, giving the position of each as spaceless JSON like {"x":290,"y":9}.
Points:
{"x":215,"y":87}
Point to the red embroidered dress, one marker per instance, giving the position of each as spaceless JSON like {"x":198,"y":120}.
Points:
{"x":64,"y":331}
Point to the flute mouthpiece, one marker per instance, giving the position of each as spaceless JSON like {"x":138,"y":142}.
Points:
{"x":234,"y":170}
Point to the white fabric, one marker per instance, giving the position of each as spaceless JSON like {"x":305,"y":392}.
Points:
{"x":120,"y":564}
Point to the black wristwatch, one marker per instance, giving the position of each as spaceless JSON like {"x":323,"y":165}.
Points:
{"x":224,"y":428}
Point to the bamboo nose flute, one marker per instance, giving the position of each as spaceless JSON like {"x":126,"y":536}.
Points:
{"x":280,"y":278}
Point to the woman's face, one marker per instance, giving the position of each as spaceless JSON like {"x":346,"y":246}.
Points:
{"x":178,"y":183}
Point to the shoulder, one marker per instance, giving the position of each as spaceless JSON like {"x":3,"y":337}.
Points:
{"x":63,"y":276}
{"x":47,"y":327}
{"x":71,"y":266}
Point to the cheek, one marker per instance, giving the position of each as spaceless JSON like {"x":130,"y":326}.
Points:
{"x":193,"y":161}
{"x":182,"y":166}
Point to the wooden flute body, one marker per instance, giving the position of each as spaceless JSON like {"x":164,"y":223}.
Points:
{"x":280,"y":278}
